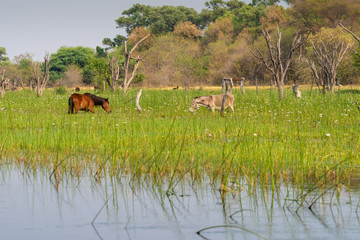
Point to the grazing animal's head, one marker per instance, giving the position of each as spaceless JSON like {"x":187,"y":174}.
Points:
{"x":202,"y":101}
{"x":193,"y":105}
{"x":106,"y":106}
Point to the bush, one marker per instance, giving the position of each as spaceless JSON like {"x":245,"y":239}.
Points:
{"x":61,"y":90}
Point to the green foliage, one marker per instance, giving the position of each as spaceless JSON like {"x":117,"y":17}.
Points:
{"x":248,"y":17}
{"x":264,"y":2}
{"x":3,"y":59}
{"x":311,"y":15}
{"x":96,"y":71}
{"x":158,"y":19}
{"x":61,"y":90}
{"x":66,"y":56}
{"x":356,"y":56}
{"x":115,"y":42}
{"x":3,"y":53}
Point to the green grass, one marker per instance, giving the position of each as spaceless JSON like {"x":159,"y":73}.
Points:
{"x":266,"y":141}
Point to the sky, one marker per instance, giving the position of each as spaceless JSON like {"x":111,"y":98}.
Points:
{"x":43,"y":26}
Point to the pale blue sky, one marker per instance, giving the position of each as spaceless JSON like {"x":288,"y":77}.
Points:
{"x":40,"y":26}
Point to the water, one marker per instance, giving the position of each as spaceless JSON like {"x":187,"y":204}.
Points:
{"x":32,"y":207}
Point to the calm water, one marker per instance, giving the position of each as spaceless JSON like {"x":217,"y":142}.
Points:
{"x":32,"y":208}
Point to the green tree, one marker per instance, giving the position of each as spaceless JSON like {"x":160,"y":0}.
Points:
{"x":312,"y":15}
{"x":66,"y":56}
{"x":356,"y":56}
{"x":97,"y":72}
{"x":248,"y":17}
{"x":23,"y":73}
{"x":159,"y":19}
{"x":264,"y":2}
{"x":115,"y":42}
{"x":3,"y":59}
{"x":329,"y":46}
{"x":173,"y":61}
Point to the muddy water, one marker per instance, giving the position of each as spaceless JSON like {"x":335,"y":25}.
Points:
{"x":32,"y":207}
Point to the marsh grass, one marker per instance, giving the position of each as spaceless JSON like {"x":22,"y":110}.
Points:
{"x":266,"y":141}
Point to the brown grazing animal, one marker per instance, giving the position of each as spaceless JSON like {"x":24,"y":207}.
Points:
{"x":80,"y":102}
{"x":213,"y":102}
{"x":86,"y":103}
{"x":99,"y":101}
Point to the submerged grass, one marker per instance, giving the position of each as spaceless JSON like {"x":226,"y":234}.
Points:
{"x":266,"y":141}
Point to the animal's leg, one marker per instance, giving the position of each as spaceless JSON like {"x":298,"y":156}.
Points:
{"x":71,"y":105}
{"x":91,"y":107}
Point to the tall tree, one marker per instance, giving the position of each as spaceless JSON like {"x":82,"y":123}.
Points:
{"x":314,"y":14}
{"x":159,"y":19}
{"x":42,"y":77}
{"x":128,"y":78}
{"x":276,"y":62}
{"x":67,"y":56}
{"x":4,"y":61}
{"x":22,"y":74}
{"x":3,"y":82}
{"x":329,"y":47}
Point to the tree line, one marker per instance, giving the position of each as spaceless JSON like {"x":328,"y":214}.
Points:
{"x":308,"y":42}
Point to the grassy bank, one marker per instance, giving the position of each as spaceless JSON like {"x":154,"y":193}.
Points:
{"x":266,"y":141}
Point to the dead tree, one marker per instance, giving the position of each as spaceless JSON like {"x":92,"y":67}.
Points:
{"x":128,"y":78}
{"x":329,"y":57}
{"x":349,"y":31}
{"x":41,"y":78}
{"x":19,"y":80}
{"x":318,"y":79}
{"x":242,"y":80}
{"x":3,"y":83}
{"x":137,"y":101}
{"x":276,"y":63}
{"x":296,"y":91}
{"x":225,"y":83}
{"x":115,"y":72}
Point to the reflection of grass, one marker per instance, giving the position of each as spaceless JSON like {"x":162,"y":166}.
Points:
{"x":265,"y":140}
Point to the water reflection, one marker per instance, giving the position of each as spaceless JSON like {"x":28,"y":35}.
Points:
{"x":32,"y":207}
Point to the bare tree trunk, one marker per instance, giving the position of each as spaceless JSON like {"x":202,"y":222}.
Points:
{"x":3,"y":83}
{"x":138,"y":100}
{"x":128,"y":79}
{"x":276,"y":63}
{"x":329,"y":57}
{"x":19,"y":81}
{"x":225,"y":82}
{"x":115,"y":72}
{"x":42,"y":79}
{"x":242,"y":85}
{"x":349,"y":31}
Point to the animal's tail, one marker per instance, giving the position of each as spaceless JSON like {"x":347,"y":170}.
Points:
{"x":71,"y":105}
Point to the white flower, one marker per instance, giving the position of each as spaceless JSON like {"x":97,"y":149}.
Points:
{"x":255,"y":134}
{"x":328,"y":134}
